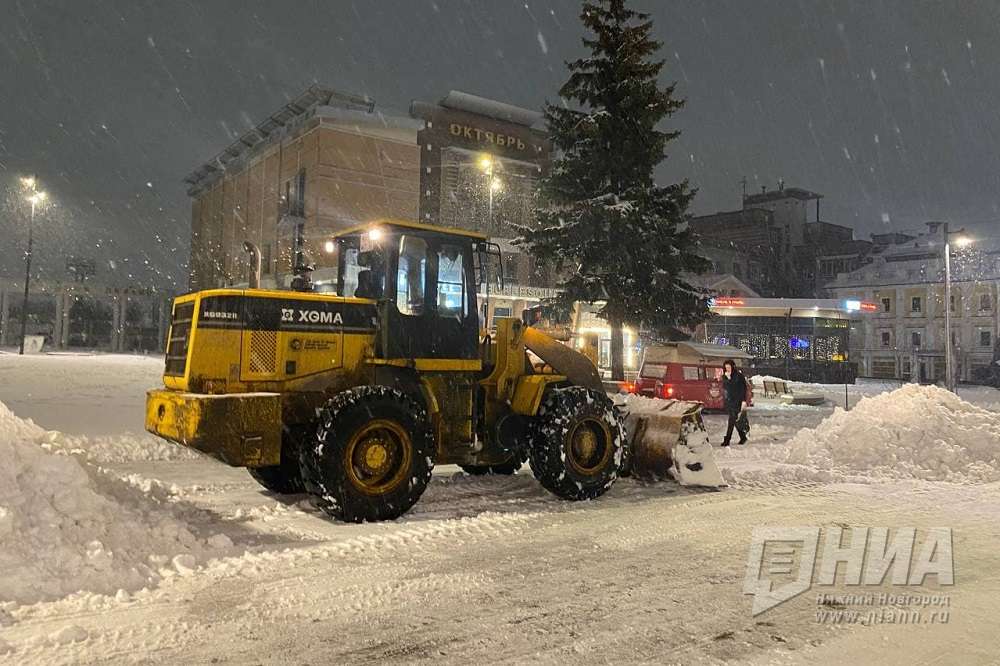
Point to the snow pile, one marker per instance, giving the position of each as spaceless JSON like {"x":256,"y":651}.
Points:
{"x":914,"y":432}
{"x":65,"y":526}
{"x":116,"y":448}
{"x":758,"y":380}
{"x":638,"y":404}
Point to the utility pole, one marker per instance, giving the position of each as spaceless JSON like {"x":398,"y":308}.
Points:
{"x":34,"y":198}
{"x":961,"y":241}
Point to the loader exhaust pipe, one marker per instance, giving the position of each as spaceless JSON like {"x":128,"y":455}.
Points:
{"x":255,"y":264}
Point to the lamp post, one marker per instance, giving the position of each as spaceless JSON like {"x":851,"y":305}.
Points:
{"x":961,"y":240}
{"x":35,"y":197}
{"x":493,"y":185}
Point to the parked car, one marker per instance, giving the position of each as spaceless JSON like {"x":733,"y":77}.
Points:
{"x":688,"y":371}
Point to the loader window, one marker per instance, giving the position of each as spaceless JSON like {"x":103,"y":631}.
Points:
{"x":411,"y":275}
{"x":451,"y":283}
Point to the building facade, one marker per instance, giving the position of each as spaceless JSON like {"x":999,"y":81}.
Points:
{"x":88,"y":315}
{"x":904,"y":337}
{"x":324,"y":161}
{"x":794,"y":338}
{"x":328,"y":161}
{"x":782,"y":247}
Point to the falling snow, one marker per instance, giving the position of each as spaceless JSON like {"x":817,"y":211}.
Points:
{"x":181,"y":82}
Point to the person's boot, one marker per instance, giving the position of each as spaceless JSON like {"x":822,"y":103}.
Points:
{"x":725,"y":442}
{"x":743,"y":440}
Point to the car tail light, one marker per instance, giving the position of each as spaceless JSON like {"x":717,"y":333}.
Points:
{"x":628,"y":387}
{"x":666,"y":391}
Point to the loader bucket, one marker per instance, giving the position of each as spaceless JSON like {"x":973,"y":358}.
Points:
{"x":668,"y":439}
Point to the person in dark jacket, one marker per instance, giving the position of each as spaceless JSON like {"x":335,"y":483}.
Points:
{"x":734,"y":385}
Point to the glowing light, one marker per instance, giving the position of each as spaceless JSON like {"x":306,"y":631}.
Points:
{"x":329,"y":246}
{"x":37,"y":197}
{"x":486,"y":164}
{"x":496,"y":185}
{"x":29,"y":181}
{"x":375,"y":234}
{"x":963,"y":241}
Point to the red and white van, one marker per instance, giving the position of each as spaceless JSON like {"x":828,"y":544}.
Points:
{"x":688,"y":371}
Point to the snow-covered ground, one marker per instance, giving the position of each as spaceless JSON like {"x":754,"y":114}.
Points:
{"x":118,"y":548}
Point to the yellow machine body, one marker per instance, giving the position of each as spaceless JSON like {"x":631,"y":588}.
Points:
{"x":244,"y":364}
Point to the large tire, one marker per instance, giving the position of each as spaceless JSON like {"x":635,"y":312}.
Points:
{"x":284,"y":478}
{"x":575,"y":443}
{"x":372,"y":455}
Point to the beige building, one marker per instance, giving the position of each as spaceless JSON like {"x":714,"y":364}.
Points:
{"x":322,"y":162}
{"x":904,"y":336}
{"x":328,"y":161}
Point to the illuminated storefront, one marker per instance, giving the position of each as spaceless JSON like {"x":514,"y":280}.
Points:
{"x":801,"y":339}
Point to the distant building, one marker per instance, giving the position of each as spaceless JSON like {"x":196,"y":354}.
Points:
{"x":904,"y":338}
{"x":323,"y":161}
{"x":783,"y":251}
{"x":722,"y":285}
{"x":789,"y":207}
{"x":745,"y":243}
{"x":804,"y":339}
{"x":107,"y":315}
{"x":327,"y":161}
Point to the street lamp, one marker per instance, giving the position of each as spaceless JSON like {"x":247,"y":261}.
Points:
{"x":35,"y":197}
{"x":961,"y":240}
{"x":493,"y":184}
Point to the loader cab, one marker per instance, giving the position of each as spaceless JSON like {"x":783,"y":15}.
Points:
{"x":424,"y":279}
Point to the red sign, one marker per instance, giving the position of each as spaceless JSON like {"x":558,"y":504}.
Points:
{"x":725,"y":301}
{"x":868,"y":307}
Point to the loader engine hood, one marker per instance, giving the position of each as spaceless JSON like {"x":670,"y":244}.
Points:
{"x":230,"y":340}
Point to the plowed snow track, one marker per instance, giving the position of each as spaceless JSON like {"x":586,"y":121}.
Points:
{"x":487,"y":569}
{"x":649,"y":573}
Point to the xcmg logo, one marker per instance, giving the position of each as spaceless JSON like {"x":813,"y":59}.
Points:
{"x":310,"y":316}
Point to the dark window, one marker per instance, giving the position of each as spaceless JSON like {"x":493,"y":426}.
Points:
{"x":915,"y":338}
{"x":985,"y":339}
{"x":265,"y":259}
{"x":915,"y":304}
{"x":985,"y":302}
{"x":886,"y":337}
{"x":886,"y":305}
{"x":293,"y":198}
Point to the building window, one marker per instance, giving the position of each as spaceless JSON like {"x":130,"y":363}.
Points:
{"x":293,"y":198}
{"x":886,"y":338}
{"x":985,"y":339}
{"x":915,"y":338}
{"x":499,"y":312}
{"x":951,"y":302}
{"x":985,"y":303}
{"x":886,"y":305}
{"x":915,"y":304}
{"x":265,"y":259}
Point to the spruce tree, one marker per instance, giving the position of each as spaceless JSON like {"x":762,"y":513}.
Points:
{"x":613,"y":234}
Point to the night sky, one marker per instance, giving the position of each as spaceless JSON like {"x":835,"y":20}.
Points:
{"x":890,"y":109}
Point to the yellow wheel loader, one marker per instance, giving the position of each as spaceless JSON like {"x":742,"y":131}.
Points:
{"x":352,"y":388}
